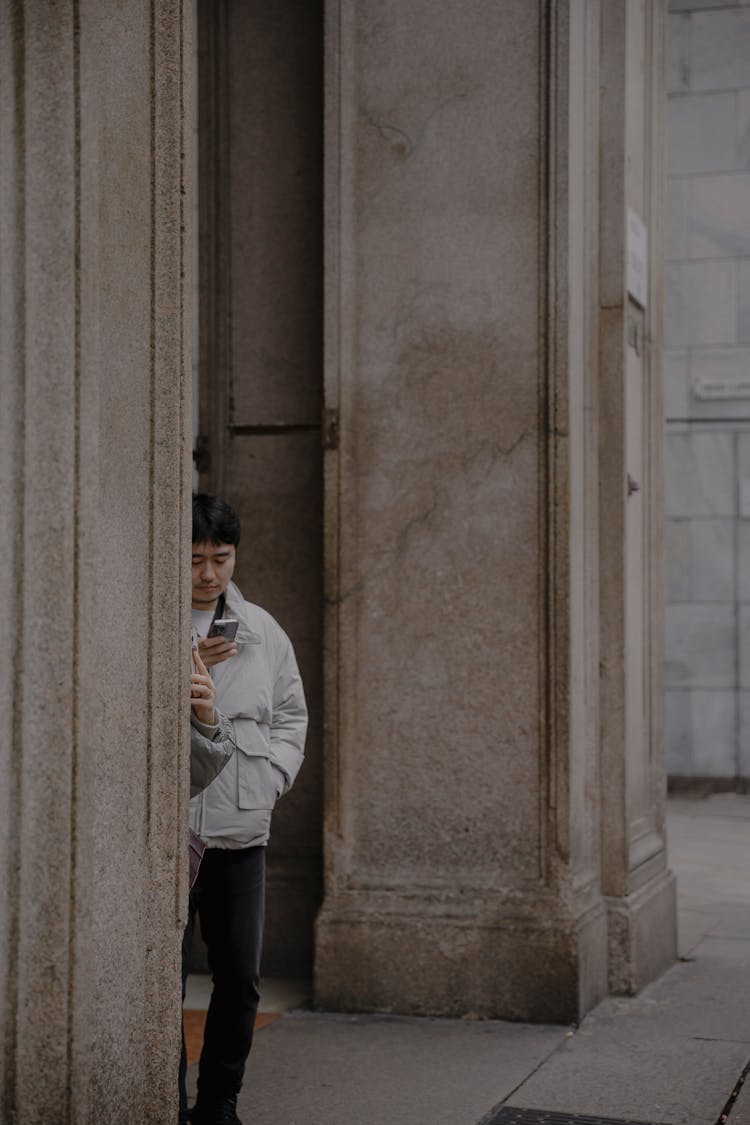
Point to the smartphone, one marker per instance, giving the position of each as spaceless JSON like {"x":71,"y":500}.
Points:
{"x":225,"y":627}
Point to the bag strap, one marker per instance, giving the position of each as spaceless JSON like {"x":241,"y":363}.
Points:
{"x":219,"y":611}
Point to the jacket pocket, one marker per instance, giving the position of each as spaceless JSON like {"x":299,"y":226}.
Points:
{"x":256,"y":785}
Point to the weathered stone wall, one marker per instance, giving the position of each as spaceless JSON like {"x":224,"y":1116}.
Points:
{"x":638,"y":887}
{"x":466,"y":822}
{"x":94,"y":470}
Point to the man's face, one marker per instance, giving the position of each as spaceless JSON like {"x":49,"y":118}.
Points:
{"x":213,"y":567}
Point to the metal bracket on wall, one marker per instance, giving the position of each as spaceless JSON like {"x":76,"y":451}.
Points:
{"x":634,"y":335}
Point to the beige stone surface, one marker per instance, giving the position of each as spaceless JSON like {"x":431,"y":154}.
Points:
{"x":434,"y":364}
{"x":633,"y":873}
{"x":439,"y":422}
{"x":430,"y":955}
{"x":462,"y":549}
{"x":94,"y":480}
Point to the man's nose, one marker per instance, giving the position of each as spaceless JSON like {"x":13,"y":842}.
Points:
{"x":207,"y":573}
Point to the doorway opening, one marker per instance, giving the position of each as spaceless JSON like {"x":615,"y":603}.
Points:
{"x":260,"y":396}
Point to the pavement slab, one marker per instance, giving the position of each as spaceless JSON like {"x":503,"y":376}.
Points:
{"x":320,"y":1069}
{"x":740,"y":1112}
{"x":678,"y":1081}
{"x":707,"y":997}
{"x":673,"y":1054}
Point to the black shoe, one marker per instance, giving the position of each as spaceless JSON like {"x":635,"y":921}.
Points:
{"x":185,"y":1117}
{"x":223,"y":1112}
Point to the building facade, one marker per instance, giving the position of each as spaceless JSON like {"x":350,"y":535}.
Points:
{"x":707,"y":372}
{"x":431,"y":304}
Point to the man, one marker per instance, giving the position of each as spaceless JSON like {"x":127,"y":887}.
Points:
{"x":262,"y":713}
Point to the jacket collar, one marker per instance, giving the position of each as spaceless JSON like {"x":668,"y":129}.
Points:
{"x":236,"y":606}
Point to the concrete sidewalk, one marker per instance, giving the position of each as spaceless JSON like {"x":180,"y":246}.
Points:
{"x":672,"y":1054}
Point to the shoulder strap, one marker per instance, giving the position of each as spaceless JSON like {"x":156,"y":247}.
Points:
{"x":219,"y":611}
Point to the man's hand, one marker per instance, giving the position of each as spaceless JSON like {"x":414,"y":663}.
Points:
{"x":215,"y":650}
{"x":202,"y":692}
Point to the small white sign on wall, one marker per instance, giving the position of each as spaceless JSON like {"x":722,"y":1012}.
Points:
{"x":636,"y":248}
{"x":711,"y":390}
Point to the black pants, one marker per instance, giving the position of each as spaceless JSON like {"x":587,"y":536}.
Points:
{"x":229,"y":899}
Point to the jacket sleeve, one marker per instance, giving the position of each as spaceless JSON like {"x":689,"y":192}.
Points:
{"x":289,"y":717}
{"x":210,"y":750}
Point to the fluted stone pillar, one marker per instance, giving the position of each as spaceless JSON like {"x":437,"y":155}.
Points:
{"x":95,"y":475}
{"x":464,"y":810}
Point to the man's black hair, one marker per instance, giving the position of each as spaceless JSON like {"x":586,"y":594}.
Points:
{"x":214,"y":521}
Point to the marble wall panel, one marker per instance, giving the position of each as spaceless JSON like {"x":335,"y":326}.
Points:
{"x":714,"y":732}
{"x":700,"y":557}
{"x":702,"y":135}
{"x":677,"y":560}
{"x":700,"y":646}
{"x":743,"y":298}
{"x":743,"y":560}
{"x":743,"y":128}
{"x":743,"y":735}
{"x":676,"y":384}
{"x":720,"y":216}
{"x":743,"y":463}
{"x":708,"y":321}
{"x":678,"y":54}
{"x":712,"y":560}
{"x":678,"y":217}
{"x":679,"y":733}
{"x":719,"y":49}
{"x":701,"y":303}
{"x":700,"y":474}
{"x":701,"y":733}
{"x":743,"y":629}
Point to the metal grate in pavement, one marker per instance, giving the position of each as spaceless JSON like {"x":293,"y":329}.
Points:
{"x":508,"y":1115}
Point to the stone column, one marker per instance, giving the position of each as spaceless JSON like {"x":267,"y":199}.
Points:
{"x":462,"y":824}
{"x":467,"y":806}
{"x":95,"y":477}
{"x":638,"y":886}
